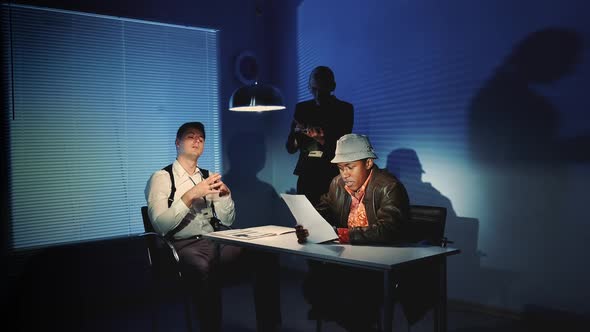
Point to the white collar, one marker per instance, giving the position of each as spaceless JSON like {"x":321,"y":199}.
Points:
{"x":181,"y":172}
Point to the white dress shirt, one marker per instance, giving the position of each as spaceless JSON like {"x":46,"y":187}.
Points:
{"x":198,"y":215}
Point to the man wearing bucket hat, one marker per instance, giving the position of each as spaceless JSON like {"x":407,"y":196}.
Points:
{"x":366,"y":205}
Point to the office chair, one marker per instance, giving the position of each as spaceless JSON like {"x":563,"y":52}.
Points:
{"x":427,"y":227}
{"x":164,"y":265}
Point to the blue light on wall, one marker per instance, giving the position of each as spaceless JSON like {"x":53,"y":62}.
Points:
{"x":429,"y":81}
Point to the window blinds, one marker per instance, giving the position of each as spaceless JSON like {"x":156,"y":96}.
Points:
{"x":93,"y":105}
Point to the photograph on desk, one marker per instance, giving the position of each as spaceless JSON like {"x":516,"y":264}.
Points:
{"x":258,"y":232}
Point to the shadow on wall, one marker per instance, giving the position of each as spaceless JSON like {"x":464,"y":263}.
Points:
{"x":256,"y":201}
{"x":466,"y":276}
{"x":525,"y":167}
{"x":509,"y":122}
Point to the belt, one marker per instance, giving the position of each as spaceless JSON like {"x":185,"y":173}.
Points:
{"x":194,"y":237}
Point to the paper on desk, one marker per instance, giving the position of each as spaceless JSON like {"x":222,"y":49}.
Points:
{"x":252,"y":233}
{"x":307,"y":216}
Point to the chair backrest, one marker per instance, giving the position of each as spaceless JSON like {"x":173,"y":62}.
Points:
{"x":147,"y":224}
{"x":427,"y":224}
{"x":161,"y":252}
{"x":152,"y":244}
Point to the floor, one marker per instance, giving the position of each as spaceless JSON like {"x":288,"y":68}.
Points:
{"x":98,"y":288}
{"x":239,"y":315}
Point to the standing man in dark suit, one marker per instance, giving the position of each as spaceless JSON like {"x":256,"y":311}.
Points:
{"x":317,"y":124}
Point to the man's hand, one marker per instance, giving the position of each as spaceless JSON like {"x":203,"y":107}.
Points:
{"x":343,"y":235}
{"x":218,"y":185}
{"x":223,"y":190}
{"x":317,"y":134}
{"x":297,"y":127}
{"x":210,"y":185}
{"x":301,"y":233}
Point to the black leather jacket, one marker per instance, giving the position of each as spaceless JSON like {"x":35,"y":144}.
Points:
{"x":386,"y":203}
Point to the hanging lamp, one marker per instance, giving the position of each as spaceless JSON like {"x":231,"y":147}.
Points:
{"x":253,"y":96}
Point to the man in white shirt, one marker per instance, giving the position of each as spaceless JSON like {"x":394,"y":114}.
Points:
{"x":184,"y":202}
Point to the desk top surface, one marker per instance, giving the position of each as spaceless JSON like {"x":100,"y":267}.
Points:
{"x":369,"y":256}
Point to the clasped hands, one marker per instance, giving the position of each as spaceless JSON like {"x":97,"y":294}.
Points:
{"x":210,"y":185}
{"x":213,"y":185}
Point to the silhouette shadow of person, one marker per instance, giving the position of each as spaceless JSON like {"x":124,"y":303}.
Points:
{"x":514,"y":131}
{"x":461,"y":231}
{"x":255,"y":201}
{"x":521,"y":159}
{"x":511,"y":123}
{"x":404,"y":164}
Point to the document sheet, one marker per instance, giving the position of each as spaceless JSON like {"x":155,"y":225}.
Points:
{"x":256,"y":232}
{"x":307,"y":216}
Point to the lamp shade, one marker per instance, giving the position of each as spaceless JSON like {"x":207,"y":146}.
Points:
{"x":256,"y":98}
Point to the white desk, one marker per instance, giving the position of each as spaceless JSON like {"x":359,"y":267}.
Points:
{"x":382,"y":258}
